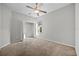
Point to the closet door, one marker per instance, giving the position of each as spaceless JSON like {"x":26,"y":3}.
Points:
{"x":16,"y":30}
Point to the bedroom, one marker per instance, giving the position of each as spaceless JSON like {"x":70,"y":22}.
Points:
{"x":51,"y":33}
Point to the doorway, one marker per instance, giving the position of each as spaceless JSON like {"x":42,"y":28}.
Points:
{"x":29,"y":30}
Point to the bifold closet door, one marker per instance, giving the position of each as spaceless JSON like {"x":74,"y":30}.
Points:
{"x":16,"y":30}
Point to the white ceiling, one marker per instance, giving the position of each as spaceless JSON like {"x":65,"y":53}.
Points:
{"x":21,"y":7}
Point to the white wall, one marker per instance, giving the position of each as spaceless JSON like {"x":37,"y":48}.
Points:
{"x":59,"y":25}
{"x":5,"y":17}
{"x":77,"y":28}
{"x":0,"y":25}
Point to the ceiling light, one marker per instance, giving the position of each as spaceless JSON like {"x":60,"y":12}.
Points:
{"x":36,"y":11}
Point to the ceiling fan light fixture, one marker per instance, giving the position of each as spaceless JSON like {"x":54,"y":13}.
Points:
{"x":36,"y":11}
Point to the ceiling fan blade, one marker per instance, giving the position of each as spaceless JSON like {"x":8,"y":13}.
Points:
{"x":29,"y":7}
{"x":37,"y":14}
{"x":36,"y":5}
{"x":42,"y":11}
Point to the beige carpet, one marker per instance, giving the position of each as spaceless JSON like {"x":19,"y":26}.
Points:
{"x":37,"y":47}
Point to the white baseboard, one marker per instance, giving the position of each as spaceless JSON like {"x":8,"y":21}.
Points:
{"x":61,"y":43}
{"x":65,"y":44}
{"x":4,"y":45}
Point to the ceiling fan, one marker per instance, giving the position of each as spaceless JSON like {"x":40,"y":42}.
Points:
{"x":36,"y":10}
